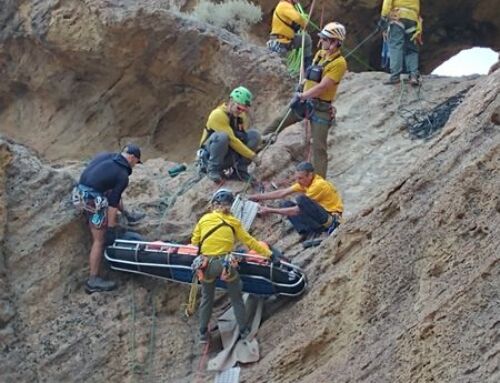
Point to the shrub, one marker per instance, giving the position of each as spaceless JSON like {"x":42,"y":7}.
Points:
{"x":234,"y":15}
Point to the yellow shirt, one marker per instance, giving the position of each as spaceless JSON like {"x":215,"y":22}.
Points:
{"x":222,"y":240}
{"x":335,"y":70}
{"x":404,"y":9}
{"x":323,"y":192}
{"x":218,"y":121}
{"x":288,"y":14}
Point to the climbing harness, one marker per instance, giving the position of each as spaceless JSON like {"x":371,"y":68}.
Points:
{"x":87,"y":199}
{"x":199,"y":265}
{"x":202,"y":155}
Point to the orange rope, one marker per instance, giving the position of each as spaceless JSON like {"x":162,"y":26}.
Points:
{"x":202,"y":363}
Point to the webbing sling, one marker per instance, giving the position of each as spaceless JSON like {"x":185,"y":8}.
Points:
{"x":213,"y":230}
{"x":232,"y":122}
{"x":291,"y":26}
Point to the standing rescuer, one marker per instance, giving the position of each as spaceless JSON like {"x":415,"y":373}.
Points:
{"x":215,"y":235}
{"x":227,"y":142}
{"x":315,"y":102}
{"x":402,"y":20}
{"x":287,"y":29}
{"x":98,"y":193}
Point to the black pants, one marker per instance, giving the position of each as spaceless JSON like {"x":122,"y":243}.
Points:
{"x":312,"y":216}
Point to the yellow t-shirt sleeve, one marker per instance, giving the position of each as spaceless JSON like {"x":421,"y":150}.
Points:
{"x":386,"y":8}
{"x":336,"y":70}
{"x":319,"y":190}
{"x":219,"y":122}
{"x":250,"y":241}
{"x":195,"y":237}
{"x":292,"y":14}
{"x":297,"y":188}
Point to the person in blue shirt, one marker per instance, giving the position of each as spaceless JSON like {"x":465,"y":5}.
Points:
{"x":99,"y":193}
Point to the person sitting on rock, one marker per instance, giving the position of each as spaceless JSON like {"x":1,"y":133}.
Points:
{"x":99,"y":193}
{"x":226,"y":142}
{"x":315,"y":102}
{"x":316,"y":210}
{"x":215,"y":235}
{"x":402,"y":20}
{"x":287,"y":29}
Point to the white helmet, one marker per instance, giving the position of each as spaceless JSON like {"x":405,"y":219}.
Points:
{"x":333,"y":30}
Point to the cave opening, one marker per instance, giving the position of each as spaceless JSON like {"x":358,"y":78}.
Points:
{"x":468,"y":62}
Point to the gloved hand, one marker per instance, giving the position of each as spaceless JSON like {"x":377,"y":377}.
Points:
{"x":296,"y":100}
{"x":111,"y":235}
{"x":382,"y":23}
{"x":276,"y":256}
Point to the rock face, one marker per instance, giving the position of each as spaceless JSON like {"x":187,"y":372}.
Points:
{"x":91,"y":75}
{"x":408,"y":290}
{"x":405,"y":291}
{"x":449,"y":27}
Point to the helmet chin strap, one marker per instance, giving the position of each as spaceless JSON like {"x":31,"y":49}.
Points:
{"x":334,"y":47}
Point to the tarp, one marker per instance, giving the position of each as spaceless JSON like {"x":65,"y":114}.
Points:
{"x":235,"y":350}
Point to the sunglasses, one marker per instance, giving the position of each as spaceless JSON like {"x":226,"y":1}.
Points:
{"x":241,"y":108}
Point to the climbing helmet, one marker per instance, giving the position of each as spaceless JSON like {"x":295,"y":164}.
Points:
{"x":223,"y":196}
{"x":242,"y":96}
{"x":333,"y":30}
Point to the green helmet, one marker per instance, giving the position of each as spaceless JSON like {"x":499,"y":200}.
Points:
{"x":242,"y":96}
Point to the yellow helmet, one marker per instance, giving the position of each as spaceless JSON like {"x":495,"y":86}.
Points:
{"x":333,"y":30}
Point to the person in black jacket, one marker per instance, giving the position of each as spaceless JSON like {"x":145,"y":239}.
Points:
{"x":99,"y":194}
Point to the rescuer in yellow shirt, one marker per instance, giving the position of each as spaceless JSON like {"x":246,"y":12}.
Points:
{"x":215,"y":235}
{"x":320,"y":88}
{"x":316,"y":210}
{"x":401,"y":20}
{"x":227,"y":143}
{"x":287,"y":29}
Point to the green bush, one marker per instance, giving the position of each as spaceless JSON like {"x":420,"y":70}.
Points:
{"x":234,"y":15}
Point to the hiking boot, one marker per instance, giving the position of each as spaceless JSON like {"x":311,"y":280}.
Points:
{"x":97,"y":285}
{"x":133,"y":217}
{"x":214,"y":176}
{"x":333,"y":225}
{"x":313,"y":240}
{"x":204,"y":337}
{"x":391,"y":81}
{"x":244,"y":333}
{"x":415,"y":80}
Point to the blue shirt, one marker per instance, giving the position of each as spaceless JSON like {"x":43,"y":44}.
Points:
{"x":108,"y":174}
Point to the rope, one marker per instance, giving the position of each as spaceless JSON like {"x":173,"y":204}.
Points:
{"x":133,"y":364}
{"x":293,"y":61}
{"x":152,"y":337}
{"x":269,"y":143}
{"x":422,"y":122}
{"x":185,"y":186}
{"x":202,"y":362}
{"x":367,"y":38}
{"x":193,"y":296}
{"x":295,"y":58}
{"x":350,"y":52}
{"x":135,"y":367}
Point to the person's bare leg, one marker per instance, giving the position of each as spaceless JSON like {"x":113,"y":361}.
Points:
{"x":95,"y":283}
{"x":96,"y":250}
